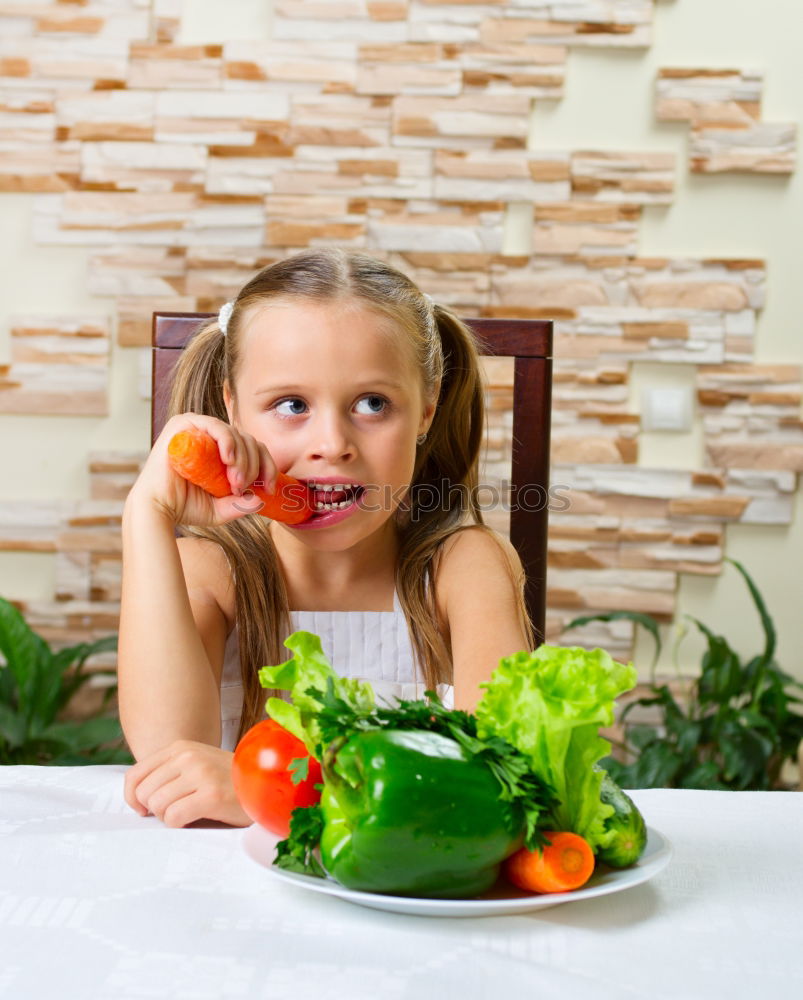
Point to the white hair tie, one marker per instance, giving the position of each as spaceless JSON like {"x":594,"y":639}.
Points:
{"x":224,"y":316}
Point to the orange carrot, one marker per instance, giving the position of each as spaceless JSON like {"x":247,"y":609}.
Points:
{"x":567,"y":863}
{"x":194,"y":455}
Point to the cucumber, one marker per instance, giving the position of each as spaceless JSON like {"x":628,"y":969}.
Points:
{"x":627,"y":824}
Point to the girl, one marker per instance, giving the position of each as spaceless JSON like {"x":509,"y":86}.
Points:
{"x":336,"y":369}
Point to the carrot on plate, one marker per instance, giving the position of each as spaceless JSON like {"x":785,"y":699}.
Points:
{"x":194,"y":455}
{"x":566,"y":863}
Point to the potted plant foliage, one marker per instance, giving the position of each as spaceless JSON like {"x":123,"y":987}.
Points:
{"x":37,"y":684}
{"x":737,"y":725}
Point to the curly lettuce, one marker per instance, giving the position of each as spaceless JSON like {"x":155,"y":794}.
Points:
{"x":550,"y":705}
{"x":306,"y":677}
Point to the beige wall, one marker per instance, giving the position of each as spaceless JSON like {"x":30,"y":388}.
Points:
{"x":610,"y":94}
{"x":608,"y":103}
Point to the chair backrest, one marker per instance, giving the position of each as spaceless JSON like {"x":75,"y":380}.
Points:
{"x":529,"y":342}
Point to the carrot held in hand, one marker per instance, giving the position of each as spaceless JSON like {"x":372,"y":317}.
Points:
{"x":194,"y":455}
{"x":566,"y":863}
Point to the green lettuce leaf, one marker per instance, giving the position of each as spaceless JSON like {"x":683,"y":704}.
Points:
{"x":306,"y":677}
{"x":550,"y":705}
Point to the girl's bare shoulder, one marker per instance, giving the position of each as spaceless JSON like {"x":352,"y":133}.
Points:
{"x":474,"y":558}
{"x":208,"y":575}
{"x":475,"y":548}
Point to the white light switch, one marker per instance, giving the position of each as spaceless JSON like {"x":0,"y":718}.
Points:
{"x":667,"y":409}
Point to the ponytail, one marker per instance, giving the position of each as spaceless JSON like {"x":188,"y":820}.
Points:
{"x":200,"y":375}
{"x":450,"y":455}
{"x":443,"y":498}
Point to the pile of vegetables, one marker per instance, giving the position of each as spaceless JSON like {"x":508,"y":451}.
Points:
{"x":420,"y":800}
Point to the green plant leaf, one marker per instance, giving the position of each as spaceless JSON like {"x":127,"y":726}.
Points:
{"x":647,"y":701}
{"x":40,"y":678}
{"x":656,"y":767}
{"x":734,"y":728}
{"x":683,"y":733}
{"x":8,"y":685}
{"x":745,"y":755}
{"x":640,"y":736}
{"x":778,"y":696}
{"x":71,"y":662}
{"x":18,"y":643}
{"x":36,"y":684}
{"x":45,"y":696}
{"x":664,"y":700}
{"x":624,"y":775}
{"x":686,"y":734}
{"x":791,"y":737}
{"x":780,"y":678}
{"x":770,"y":636}
{"x":82,"y":736}
{"x":27,"y":655}
{"x":753,"y":719}
{"x":721,"y":676}
{"x":705,"y":775}
{"x":12,"y":729}
{"x":102,"y":755}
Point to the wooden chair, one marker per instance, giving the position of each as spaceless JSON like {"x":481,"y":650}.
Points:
{"x":529,"y":342}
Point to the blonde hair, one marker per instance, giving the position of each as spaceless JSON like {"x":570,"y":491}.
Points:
{"x":445,"y":473}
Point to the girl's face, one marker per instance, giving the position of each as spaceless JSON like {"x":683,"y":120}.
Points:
{"x":335,"y":395}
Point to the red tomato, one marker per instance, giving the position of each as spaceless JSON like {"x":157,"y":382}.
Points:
{"x":263,"y":781}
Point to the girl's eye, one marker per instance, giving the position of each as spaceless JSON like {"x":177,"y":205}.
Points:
{"x":294,"y":407}
{"x":375,"y":404}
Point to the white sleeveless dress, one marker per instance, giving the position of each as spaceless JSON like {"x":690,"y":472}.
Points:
{"x":370,"y":645}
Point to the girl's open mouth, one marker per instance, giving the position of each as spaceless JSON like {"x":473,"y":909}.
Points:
{"x":334,"y":497}
{"x":332,"y":503}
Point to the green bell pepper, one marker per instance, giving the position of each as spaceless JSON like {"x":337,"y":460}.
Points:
{"x":411,"y":812}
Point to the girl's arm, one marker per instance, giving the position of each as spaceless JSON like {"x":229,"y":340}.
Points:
{"x":168,"y":687}
{"x":172,"y":639}
{"x":173,"y":631}
{"x":170,"y":653}
{"x":477,"y":598}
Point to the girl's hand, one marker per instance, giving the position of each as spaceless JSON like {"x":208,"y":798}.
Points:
{"x":184,"y":782}
{"x":246,"y":461}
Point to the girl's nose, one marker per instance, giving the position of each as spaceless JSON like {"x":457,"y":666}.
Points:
{"x":330,"y":441}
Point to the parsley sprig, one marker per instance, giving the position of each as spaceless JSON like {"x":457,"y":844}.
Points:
{"x":297,"y":852}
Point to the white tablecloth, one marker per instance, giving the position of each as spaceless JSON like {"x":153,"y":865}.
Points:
{"x":99,"y":904}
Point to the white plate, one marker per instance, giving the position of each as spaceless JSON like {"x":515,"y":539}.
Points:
{"x":502,"y":900}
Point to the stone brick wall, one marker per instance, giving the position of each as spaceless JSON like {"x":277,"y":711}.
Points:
{"x":400,"y":128}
